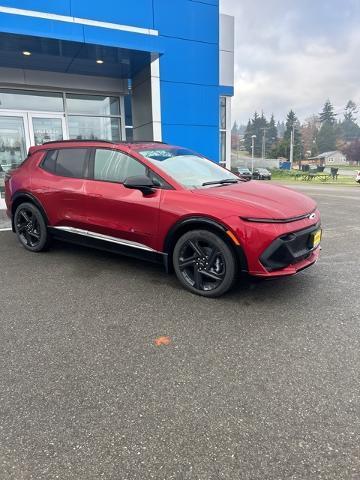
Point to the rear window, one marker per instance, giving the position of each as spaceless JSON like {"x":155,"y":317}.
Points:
{"x":49,"y":163}
{"x":67,"y":162}
{"x":71,"y":162}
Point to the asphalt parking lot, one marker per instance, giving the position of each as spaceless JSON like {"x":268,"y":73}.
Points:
{"x":261,"y":384}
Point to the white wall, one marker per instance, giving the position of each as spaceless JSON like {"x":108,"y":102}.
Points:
{"x":146,"y":103}
{"x":227,"y":36}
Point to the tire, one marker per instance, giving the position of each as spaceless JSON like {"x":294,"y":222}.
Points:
{"x":30,"y":228}
{"x":204,"y":264}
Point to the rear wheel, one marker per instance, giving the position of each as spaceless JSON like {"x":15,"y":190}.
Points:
{"x":30,"y":227}
{"x":204,"y":263}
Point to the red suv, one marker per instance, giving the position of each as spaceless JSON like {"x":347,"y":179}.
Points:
{"x":163,"y":203}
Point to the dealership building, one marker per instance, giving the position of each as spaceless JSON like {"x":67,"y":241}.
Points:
{"x":116,"y":70}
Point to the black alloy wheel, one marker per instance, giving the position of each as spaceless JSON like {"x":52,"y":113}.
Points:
{"x":30,"y":227}
{"x":204,"y":263}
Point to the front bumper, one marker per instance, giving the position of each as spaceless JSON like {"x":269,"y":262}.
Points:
{"x":289,"y":249}
{"x":277,"y":250}
{"x":294,"y":268}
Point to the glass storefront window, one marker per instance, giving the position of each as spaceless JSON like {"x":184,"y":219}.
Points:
{"x":222,"y":113}
{"x":223,"y":147}
{"x":92,"y":105}
{"x":31,"y":100}
{"x":12,"y":146}
{"x":94,"y":128}
{"x":12,"y":142}
{"x":47,"y":130}
{"x":44,"y":118}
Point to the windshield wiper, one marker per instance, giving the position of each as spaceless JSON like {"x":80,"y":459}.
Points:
{"x":220,"y":182}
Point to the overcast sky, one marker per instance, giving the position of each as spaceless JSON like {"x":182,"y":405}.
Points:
{"x":294,"y":54}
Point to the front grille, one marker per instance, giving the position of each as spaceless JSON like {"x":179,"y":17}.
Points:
{"x":288,"y":249}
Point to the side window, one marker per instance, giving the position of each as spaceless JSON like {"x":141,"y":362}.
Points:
{"x":115,"y":166}
{"x":71,"y":162}
{"x":49,"y":162}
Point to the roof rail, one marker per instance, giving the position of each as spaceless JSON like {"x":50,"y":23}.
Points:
{"x":79,"y":140}
{"x":147,"y":141}
{"x":103,"y":141}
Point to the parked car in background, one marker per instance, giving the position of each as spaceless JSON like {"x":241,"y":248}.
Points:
{"x":357,"y":178}
{"x":261,"y":174}
{"x":242,"y":172}
{"x":165,"y":204}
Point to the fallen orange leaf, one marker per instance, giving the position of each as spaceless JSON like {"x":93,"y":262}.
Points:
{"x":164,"y":340}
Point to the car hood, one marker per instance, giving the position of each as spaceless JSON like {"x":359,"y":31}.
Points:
{"x":258,"y":200}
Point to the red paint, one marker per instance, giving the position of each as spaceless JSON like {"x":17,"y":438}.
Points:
{"x":111,"y":209}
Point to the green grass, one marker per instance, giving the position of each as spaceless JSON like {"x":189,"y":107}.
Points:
{"x":285,"y":176}
{"x":353,"y":168}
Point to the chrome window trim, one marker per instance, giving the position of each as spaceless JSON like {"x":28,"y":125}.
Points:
{"x":106,"y":238}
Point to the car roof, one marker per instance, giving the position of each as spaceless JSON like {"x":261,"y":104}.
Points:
{"x":136,"y":145}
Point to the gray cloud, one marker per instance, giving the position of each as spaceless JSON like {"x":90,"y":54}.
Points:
{"x":294,"y":55}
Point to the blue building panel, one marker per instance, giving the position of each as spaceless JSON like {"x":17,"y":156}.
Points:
{"x":137,"y":13}
{"x":226,"y":91}
{"x":193,"y":20}
{"x":60,"y":7}
{"x":187,"y":104}
{"x":204,"y":140}
{"x":189,"y":62}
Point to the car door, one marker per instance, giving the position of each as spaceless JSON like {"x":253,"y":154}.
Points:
{"x":114,"y":210}
{"x":60,"y":187}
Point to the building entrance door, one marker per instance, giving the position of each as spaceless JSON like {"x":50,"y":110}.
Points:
{"x":14,"y":144}
{"x":18,"y":131}
{"x":46,"y":128}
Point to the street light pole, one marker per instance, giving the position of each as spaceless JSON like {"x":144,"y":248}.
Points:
{"x":263,"y":145}
{"x":292,"y":147}
{"x":252,"y":152}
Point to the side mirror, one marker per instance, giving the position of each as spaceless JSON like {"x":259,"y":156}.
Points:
{"x":141,"y":182}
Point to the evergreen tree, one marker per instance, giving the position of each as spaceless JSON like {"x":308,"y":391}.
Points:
{"x":292,"y":123}
{"x":247,"y":136}
{"x":327,"y":114}
{"x":280,"y":129}
{"x":271,"y":137}
{"x":326,"y":139}
{"x":256,"y":127}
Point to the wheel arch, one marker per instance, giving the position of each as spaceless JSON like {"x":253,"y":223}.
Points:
{"x":21,"y":197}
{"x":201,"y":223}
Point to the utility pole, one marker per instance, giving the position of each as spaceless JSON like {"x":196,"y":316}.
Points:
{"x":252,"y":152}
{"x":263,"y":147}
{"x":292,"y":146}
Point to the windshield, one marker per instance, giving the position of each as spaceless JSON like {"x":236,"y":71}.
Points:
{"x":188,"y":168}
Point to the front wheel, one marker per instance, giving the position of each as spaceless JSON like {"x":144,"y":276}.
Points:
{"x":204,"y":263}
{"x":30,"y":227}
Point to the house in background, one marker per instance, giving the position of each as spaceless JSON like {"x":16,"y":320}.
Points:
{"x":330,"y":159}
